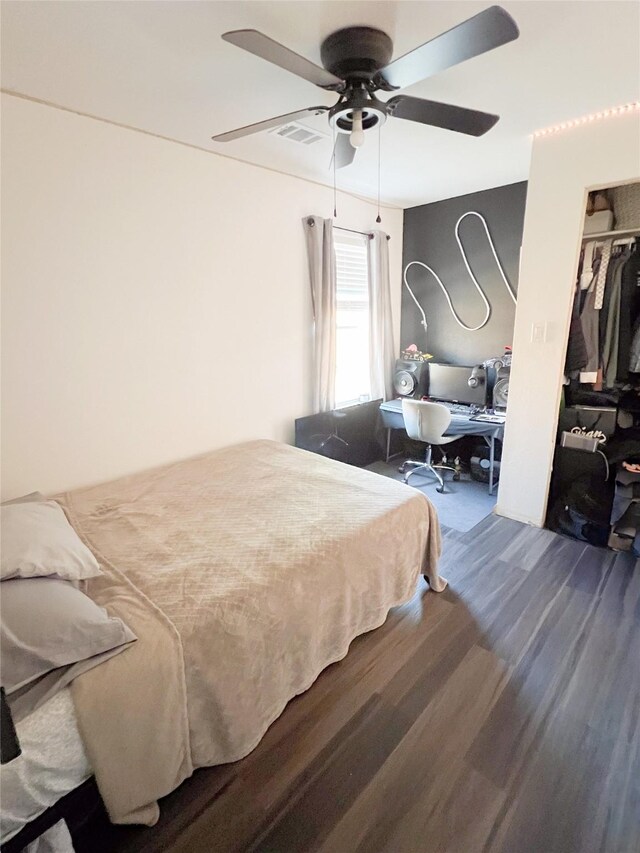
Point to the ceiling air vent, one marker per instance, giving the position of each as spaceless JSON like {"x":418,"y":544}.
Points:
{"x":298,"y":133}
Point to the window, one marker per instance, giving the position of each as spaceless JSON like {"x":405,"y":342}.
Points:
{"x":352,"y":317}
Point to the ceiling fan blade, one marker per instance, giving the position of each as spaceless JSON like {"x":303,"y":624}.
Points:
{"x":248,"y":129}
{"x":266,"y":48}
{"x":343,"y":151}
{"x":447,"y":116}
{"x":490,"y":28}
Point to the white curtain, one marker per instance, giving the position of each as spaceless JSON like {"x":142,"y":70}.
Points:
{"x":322,"y":275}
{"x":381,"y":344}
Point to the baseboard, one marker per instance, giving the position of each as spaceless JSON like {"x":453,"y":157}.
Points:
{"x":533,"y":522}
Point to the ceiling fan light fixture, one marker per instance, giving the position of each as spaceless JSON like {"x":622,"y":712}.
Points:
{"x":356,"y":137}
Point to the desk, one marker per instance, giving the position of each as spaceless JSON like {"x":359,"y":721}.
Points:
{"x":391,"y":414}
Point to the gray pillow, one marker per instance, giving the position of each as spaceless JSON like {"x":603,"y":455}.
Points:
{"x":50,"y":632}
{"x":37,"y":540}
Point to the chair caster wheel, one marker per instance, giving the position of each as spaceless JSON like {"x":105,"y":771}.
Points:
{"x":456,"y":478}
{"x":440,"y":489}
{"x":406,"y":481}
{"x":401,"y":469}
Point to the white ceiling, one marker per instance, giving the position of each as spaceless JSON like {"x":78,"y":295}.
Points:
{"x":162,"y":67}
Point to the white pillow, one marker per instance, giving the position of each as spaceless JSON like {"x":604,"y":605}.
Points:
{"x":38,"y":541}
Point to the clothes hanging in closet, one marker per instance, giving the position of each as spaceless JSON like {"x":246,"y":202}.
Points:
{"x":604,"y":346}
{"x":590,"y":320}
{"x":612,"y":328}
{"x":606,"y":302}
{"x":634,"y":360}
{"x":577,"y":355}
{"x":630,"y":300}
{"x":601,"y":277}
{"x":580,"y":348}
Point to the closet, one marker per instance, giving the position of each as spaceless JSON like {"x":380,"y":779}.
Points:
{"x":595,"y":485}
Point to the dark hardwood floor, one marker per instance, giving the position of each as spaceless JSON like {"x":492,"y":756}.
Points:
{"x":502,"y":715}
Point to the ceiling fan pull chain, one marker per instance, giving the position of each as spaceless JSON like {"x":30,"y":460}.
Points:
{"x":378,"y":217}
{"x":335,"y":195}
{"x":487,"y":306}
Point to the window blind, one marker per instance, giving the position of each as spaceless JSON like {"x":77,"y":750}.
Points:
{"x":352,"y":309}
{"x":351,"y":269}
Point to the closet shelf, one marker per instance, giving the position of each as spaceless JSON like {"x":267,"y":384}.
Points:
{"x":611,"y":235}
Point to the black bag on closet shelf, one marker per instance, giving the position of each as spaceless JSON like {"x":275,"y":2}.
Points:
{"x":584,"y":511}
{"x":624,"y":448}
{"x":589,"y":419}
{"x":581,"y":496}
{"x":630,"y":401}
{"x":575,"y":395}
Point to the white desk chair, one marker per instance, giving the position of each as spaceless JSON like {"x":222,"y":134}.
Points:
{"x":427,"y":422}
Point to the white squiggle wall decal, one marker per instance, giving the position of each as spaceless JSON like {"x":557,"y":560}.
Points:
{"x":469,"y":270}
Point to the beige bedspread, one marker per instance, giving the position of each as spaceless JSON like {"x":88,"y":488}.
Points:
{"x":244,"y":573}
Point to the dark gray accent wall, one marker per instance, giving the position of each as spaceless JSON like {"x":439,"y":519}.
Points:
{"x":429,"y":236}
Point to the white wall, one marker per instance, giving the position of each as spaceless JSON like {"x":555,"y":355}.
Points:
{"x":154,"y":298}
{"x":563,"y":167}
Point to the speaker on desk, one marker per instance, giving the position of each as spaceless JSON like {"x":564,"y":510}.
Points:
{"x":501,"y":389}
{"x":411,"y":378}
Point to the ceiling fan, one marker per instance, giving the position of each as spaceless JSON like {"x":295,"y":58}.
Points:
{"x":357,"y":64}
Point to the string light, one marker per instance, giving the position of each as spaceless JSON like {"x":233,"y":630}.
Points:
{"x":578,"y":122}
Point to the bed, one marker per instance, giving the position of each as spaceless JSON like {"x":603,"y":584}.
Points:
{"x":243,"y":573}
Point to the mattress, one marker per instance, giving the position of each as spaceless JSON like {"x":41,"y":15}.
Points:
{"x":243,"y":573}
{"x":53,"y":763}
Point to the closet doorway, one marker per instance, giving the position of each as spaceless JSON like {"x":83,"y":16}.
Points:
{"x":595,"y":485}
